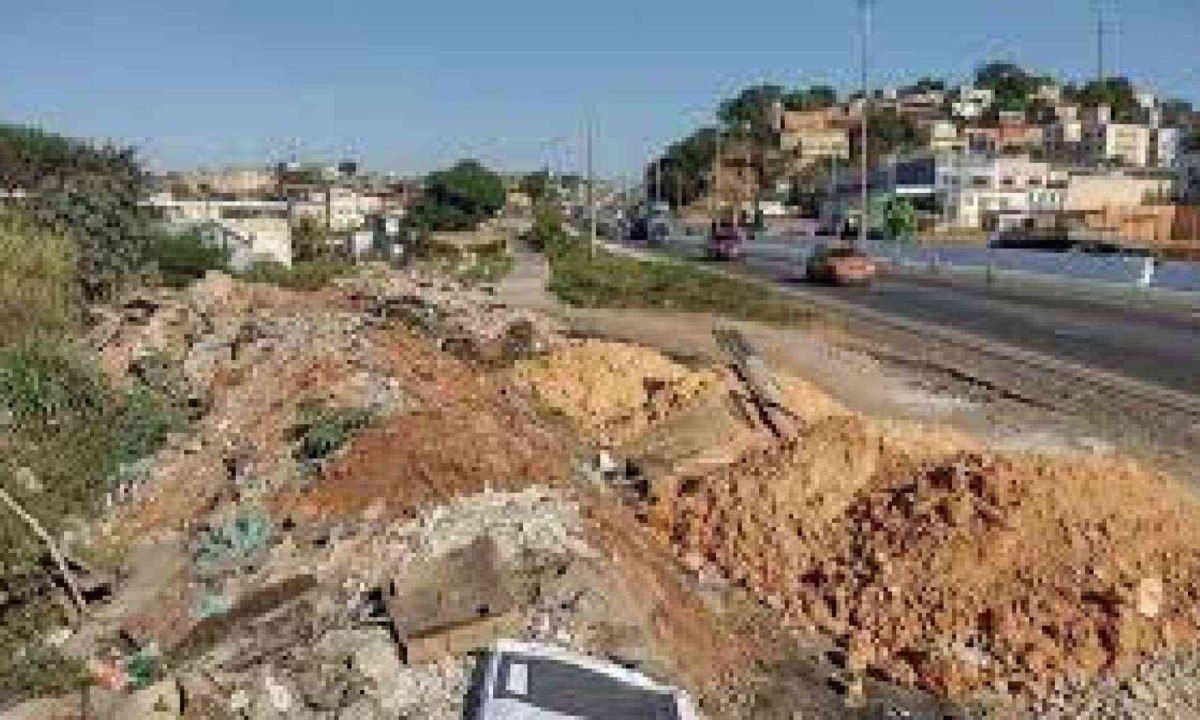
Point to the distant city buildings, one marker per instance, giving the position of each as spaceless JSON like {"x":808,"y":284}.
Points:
{"x":970,"y":161}
{"x":254,"y":211}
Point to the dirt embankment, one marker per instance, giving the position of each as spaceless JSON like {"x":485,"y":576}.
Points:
{"x":931,"y":560}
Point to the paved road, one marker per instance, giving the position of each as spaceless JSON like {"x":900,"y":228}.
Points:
{"x":1158,"y":346}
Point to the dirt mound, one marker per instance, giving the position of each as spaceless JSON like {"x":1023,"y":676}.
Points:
{"x":957,"y":573}
{"x":471,"y":433}
{"x":612,"y":392}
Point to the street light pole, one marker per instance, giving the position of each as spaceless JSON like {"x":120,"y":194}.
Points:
{"x":864,"y":217}
{"x":591,"y":191}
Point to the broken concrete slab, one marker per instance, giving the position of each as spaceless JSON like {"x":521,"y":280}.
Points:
{"x":456,"y":589}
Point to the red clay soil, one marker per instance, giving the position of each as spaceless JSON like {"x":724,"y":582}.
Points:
{"x":473,"y":432}
{"x":970,"y":572}
{"x":702,"y":646}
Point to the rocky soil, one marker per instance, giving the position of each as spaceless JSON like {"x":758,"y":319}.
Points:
{"x":345,"y":438}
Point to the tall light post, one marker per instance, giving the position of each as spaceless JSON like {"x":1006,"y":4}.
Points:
{"x":591,"y":190}
{"x":865,"y":7}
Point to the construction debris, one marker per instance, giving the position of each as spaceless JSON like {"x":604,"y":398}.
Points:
{"x":382,"y":477}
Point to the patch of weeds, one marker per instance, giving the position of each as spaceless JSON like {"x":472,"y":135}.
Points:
{"x":310,"y":275}
{"x":143,"y":667}
{"x":234,"y":543}
{"x":321,"y":431}
{"x":609,"y":280}
{"x":30,"y":664}
{"x":184,"y":258}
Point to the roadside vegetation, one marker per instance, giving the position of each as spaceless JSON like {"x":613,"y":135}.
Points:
{"x":70,"y":440}
{"x":304,"y":275}
{"x":613,"y":281}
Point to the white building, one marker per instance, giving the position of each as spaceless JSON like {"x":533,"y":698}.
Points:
{"x":997,"y":193}
{"x":972,"y":102}
{"x":342,"y":208}
{"x":253,"y":230}
{"x":1164,"y":146}
{"x":1117,"y":142}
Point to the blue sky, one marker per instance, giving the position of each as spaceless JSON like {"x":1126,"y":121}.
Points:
{"x":409,"y":86}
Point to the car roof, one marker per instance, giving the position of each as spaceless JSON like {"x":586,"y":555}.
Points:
{"x":534,"y":681}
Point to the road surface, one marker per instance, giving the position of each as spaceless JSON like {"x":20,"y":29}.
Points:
{"x":1160,"y":346}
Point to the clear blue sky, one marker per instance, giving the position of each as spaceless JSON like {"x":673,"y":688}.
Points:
{"x":410,"y":85}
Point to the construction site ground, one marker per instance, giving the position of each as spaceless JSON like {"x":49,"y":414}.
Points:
{"x":910,"y":546}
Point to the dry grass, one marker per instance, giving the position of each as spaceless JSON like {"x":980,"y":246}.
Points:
{"x":37,"y":280}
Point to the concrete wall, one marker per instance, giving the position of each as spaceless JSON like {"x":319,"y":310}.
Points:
{"x":1095,"y":192}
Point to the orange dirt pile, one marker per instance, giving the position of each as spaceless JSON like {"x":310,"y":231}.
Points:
{"x":955,"y":573}
{"x":472,"y":433}
{"x":612,"y":392}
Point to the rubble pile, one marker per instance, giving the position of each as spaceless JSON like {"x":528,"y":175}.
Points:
{"x":464,"y":320}
{"x":378,"y":478}
{"x":346,"y":444}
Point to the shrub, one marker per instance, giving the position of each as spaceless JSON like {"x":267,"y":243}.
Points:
{"x":37,"y":280}
{"x":547,"y":228}
{"x":312,"y":275}
{"x":89,"y":192}
{"x":181,"y":259}
{"x":66,"y":438}
{"x":321,"y":431}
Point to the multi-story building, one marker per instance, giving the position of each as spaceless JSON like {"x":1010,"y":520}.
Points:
{"x":954,"y":191}
{"x":998,"y":193}
{"x":229,"y":183}
{"x":340,"y":208}
{"x":1004,"y":138}
{"x":1105,"y":141}
{"x":1164,"y":146}
{"x":810,"y":136}
{"x":1116,"y":142}
{"x":972,"y":103}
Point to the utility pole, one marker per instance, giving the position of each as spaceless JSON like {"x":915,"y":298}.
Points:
{"x":657,"y":178}
{"x":865,"y":216}
{"x":1100,"y":40}
{"x":715,"y":191}
{"x":591,"y":190}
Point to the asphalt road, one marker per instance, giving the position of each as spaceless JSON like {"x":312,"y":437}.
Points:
{"x":1160,"y":346}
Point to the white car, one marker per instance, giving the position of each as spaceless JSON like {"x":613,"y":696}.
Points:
{"x":525,"y":681}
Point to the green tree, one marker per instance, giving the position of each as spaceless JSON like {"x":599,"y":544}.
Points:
{"x":310,"y":239}
{"x":812,"y":98}
{"x":1115,"y":92}
{"x":1011,"y":84}
{"x":750,"y":112}
{"x":459,"y":197}
{"x":926,"y":84}
{"x":900,"y":218}
{"x":686,"y":164}
{"x":889,"y":133}
{"x":88,"y":191}
{"x":537,"y":185}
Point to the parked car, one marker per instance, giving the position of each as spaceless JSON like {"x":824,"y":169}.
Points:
{"x":639,"y":230}
{"x":525,"y":681}
{"x":840,"y":265}
{"x":726,"y":241}
{"x":659,"y":231}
